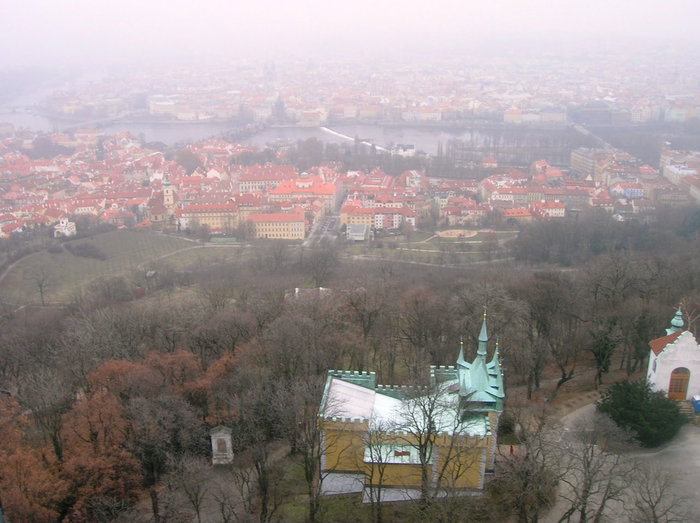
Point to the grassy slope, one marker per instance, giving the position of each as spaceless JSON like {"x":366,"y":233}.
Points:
{"x":124,"y":251}
{"x":128,"y":252}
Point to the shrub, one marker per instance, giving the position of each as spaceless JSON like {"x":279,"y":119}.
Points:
{"x":653,"y":417}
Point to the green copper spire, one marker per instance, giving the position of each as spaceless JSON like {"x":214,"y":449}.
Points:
{"x":460,"y":359}
{"x":483,"y":338}
{"x":495,"y":361}
{"x":676,"y":322}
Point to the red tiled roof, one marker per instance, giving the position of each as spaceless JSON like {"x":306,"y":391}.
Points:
{"x":659,"y":344}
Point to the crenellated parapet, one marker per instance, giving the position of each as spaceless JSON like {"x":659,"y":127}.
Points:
{"x":399,"y":391}
{"x":344,"y":419}
{"x":361,"y":378}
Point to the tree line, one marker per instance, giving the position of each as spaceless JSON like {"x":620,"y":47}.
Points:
{"x":106,"y":399}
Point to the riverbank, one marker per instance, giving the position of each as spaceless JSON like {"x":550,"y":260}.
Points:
{"x":508,"y":143}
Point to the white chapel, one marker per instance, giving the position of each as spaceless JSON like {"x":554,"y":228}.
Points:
{"x":674,"y":362}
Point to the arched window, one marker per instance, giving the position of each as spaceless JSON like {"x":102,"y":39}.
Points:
{"x":678,"y":386}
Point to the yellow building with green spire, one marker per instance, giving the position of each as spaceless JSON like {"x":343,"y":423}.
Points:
{"x":397,"y":443}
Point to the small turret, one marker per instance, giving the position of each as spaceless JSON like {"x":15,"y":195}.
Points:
{"x":483,"y":338}
{"x":461,"y":362}
{"x":495,"y":361}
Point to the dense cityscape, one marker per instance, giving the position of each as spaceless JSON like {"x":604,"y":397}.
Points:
{"x":119,"y":179}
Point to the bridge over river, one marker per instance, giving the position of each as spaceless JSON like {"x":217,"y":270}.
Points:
{"x":517,"y":144}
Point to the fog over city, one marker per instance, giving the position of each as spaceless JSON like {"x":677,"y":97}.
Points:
{"x":84,"y":32}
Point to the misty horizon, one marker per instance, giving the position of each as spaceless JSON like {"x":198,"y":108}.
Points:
{"x":82,"y":34}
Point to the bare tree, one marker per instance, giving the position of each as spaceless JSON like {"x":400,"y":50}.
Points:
{"x":322,"y":449}
{"x":604,"y":341}
{"x":43,"y":279}
{"x":376,"y":457}
{"x":433,"y":422}
{"x":321,"y":261}
{"x":424,"y":324}
{"x":48,"y":395}
{"x":365,"y":306}
{"x":227,"y":503}
{"x":420,"y":415}
{"x":162,"y":426}
{"x":310,"y":442}
{"x":595,"y":470}
{"x":244,"y":483}
{"x":187,"y":476}
{"x":553,"y":324}
{"x":261,"y":420}
{"x":691,"y":311}
{"x":276,"y":254}
{"x":654,"y":498}
{"x":526,"y":480}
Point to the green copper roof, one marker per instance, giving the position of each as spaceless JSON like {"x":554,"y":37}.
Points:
{"x":481,"y":382}
{"x":677,"y":320}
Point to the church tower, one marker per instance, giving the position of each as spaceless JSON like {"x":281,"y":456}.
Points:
{"x":481,"y":381}
{"x":481,"y":389}
{"x":168,"y":194}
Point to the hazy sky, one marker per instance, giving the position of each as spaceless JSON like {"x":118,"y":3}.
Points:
{"x":58,"y":32}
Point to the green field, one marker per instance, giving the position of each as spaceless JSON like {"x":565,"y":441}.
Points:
{"x":433,"y":249}
{"x":130,"y":253}
{"x":197,"y":256}
{"x":62,"y":273}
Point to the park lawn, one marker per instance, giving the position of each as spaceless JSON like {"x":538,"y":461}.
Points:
{"x":203,"y":255}
{"x":419,"y":236}
{"x":64,"y":273}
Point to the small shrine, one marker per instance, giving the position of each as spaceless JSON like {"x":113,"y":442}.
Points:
{"x":221,"y":445}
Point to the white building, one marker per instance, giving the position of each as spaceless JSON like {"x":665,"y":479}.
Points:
{"x":64,"y":228}
{"x":674,"y":362}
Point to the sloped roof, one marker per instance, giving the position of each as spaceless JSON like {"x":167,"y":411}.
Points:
{"x":345,"y":401}
{"x":659,"y":344}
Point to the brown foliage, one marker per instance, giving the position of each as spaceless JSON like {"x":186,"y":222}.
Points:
{"x":125,"y":379}
{"x":30,"y":487}
{"x":113,"y":475}
{"x":176,"y":368}
{"x":94,"y":424}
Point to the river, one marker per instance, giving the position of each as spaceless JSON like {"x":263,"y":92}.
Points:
{"x":18,"y":112}
{"x":425,"y":139}
{"x":484,"y":139}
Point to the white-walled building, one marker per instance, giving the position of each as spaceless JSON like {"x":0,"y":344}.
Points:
{"x":674,"y":362}
{"x":64,"y":228}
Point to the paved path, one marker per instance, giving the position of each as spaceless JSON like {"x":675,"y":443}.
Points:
{"x":681,"y":456}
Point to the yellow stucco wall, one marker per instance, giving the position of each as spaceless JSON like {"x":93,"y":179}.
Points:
{"x":345,"y":446}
